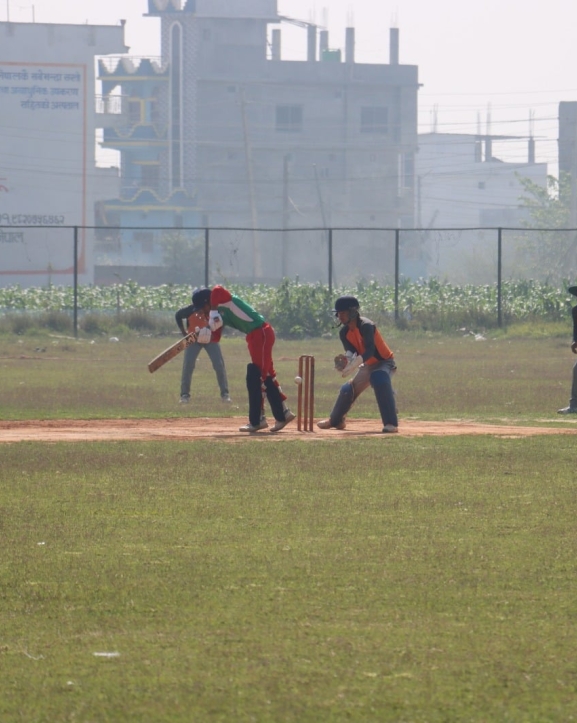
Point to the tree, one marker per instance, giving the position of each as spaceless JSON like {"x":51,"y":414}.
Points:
{"x":550,"y":244}
{"x":183,"y":256}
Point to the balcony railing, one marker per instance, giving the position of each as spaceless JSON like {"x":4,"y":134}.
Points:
{"x":131,"y":62}
{"x":111,"y":104}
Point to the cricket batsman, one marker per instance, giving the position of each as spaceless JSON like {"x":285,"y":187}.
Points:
{"x":229,"y":310}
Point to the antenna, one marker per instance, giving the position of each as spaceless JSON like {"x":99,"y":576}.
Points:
{"x":434,"y":119}
{"x":531,"y":123}
{"x":488,"y":119}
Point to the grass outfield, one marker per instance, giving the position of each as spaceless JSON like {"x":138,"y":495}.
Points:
{"x":439,"y":377}
{"x":433,"y":581}
{"x":399,"y":580}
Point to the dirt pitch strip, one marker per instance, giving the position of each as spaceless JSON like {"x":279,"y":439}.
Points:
{"x":75,"y":430}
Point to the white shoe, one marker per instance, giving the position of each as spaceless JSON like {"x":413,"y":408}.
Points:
{"x":327,"y":424}
{"x":567,"y":410}
{"x":263,"y":424}
{"x":390,"y":429}
{"x":184,"y":398}
{"x":288,"y":417}
{"x":226,"y":399}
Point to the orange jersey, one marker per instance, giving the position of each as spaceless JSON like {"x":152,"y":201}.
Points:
{"x":365,"y":339}
{"x":200,"y":320}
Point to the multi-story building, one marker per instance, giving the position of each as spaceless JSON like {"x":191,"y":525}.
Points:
{"x":49,"y":182}
{"x":222,"y":132}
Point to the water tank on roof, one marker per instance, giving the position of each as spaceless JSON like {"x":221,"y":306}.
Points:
{"x":331,"y":56}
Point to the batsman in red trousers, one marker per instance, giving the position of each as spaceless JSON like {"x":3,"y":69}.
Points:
{"x":261,"y":382}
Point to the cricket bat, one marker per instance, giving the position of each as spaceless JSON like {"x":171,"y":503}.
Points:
{"x":171,"y":352}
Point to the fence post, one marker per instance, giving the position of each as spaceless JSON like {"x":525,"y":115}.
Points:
{"x":75,"y":321}
{"x":499,"y":277}
{"x":206,"y":257}
{"x":397,"y":254}
{"x":330,"y":261}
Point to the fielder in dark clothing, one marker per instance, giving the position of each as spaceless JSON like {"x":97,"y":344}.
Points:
{"x":572,"y":408}
{"x":367,"y":354}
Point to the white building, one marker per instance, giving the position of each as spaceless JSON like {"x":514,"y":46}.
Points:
{"x":460,"y":184}
{"x":48,"y":177}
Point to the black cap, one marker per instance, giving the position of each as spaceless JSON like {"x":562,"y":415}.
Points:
{"x":572,"y":290}
{"x":200,"y":297}
{"x":344,"y":303}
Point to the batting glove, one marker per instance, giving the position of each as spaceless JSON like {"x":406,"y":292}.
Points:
{"x":215,"y":320}
{"x":203,"y":335}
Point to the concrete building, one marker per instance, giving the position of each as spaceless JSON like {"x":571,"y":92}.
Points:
{"x":223,"y":132}
{"x":461,"y":184}
{"x":48,"y":176}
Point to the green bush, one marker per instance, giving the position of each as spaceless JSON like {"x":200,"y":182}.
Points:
{"x":296,"y":310}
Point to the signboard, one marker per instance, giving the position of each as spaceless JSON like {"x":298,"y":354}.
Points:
{"x":43,"y":164}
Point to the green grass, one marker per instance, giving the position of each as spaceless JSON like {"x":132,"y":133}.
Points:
{"x":439,"y":377}
{"x":382,"y":580}
{"x":390,"y":579}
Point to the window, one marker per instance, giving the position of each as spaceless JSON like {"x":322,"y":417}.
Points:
{"x":150,"y":177}
{"x":134,"y":111}
{"x":374,"y":119}
{"x":289,"y":118}
{"x":146,"y":239}
{"x":408,"y":179}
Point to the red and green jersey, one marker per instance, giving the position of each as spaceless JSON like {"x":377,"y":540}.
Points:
{"x":235,"y":312}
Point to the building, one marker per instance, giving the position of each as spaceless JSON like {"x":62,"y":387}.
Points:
{"x":222,"y":132}
{"x":49,"y":182}
{"x":461,"y":184}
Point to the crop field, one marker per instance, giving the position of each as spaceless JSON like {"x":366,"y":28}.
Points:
{"x":335,"y":576}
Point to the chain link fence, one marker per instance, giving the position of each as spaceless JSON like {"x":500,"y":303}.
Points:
{"x":336,"y":257}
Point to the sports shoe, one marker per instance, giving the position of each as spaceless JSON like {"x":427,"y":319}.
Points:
{"x":327,"y":424}
{"x":567,"y":410}
{"x":390,"y":429}
{"x":184,"y":398}
{"x":226,"y":399}
{"x":288,"y":417}
{"x":263,"y":424}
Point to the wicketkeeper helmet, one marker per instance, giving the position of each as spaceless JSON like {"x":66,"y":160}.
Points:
{"x":346,"y":303}
{"x":200,"y":297}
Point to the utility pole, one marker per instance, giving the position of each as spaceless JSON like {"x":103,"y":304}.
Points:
{"x":256,"y":261}
{"x":285,"y":217}
{"x":573,"y":209}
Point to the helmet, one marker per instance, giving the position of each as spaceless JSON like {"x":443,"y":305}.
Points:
{"x":572,"y":290}
{"x":200,"y":297}
{"x":346,"y":303}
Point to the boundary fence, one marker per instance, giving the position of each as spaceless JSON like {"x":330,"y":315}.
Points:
{"x":395,"y":233}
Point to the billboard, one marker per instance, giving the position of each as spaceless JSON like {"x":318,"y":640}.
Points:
{"x":43,"y":170}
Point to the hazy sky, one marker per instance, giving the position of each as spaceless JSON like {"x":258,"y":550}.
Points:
{"x":507,"y":59}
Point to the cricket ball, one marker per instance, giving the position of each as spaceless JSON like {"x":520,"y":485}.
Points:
{"x":298,"y":380}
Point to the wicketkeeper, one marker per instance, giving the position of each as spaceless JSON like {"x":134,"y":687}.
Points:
{"x":367,"y":354}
